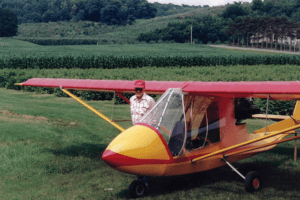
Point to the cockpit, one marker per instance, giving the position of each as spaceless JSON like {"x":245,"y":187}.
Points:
{"x":186,"y":121}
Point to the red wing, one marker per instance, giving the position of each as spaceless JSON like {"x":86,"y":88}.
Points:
{"x":281,"y":90}
{"x":122,"y":86}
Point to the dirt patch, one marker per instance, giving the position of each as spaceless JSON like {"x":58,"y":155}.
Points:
{"x":6,"y":112}
{"x":59,"y":122}
{"x":3,"y":144}
{"x":26,"y":116}
{"x":8,"y":144}
{"x":73,"y":123}
{"x":8,"y":116}
{"x":41,"y":118}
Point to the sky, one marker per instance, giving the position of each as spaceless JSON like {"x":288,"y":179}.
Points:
{"x":198,"y":2}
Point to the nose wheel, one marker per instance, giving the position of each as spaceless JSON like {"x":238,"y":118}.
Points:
{"x":138,"y":188}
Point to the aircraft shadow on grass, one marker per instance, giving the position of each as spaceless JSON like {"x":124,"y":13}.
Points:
{"x":273,"y":176}
{"x":85,"y":149}
{"x":65,"y":160}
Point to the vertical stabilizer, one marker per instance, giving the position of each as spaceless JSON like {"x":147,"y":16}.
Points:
{"x":296,"y":114}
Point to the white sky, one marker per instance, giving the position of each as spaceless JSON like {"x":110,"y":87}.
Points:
{"x":198,"y":2}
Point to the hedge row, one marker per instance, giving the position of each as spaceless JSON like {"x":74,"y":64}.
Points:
{"x":8,"y":77}
{"x":8,"y":80}
{"x":112,"y":62}
{"x":52,"y":42}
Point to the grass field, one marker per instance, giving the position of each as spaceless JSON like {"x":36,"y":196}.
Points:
{"x":51,"y":149}
{"x":17,"y":48}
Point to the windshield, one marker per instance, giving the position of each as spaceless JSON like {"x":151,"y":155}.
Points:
{"x":168,"y":117}
{"x":186,"y":122}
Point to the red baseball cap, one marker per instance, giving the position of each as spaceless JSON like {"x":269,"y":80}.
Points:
{"x":139,"y":84}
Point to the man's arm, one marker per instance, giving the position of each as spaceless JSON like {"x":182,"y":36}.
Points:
{"x":131,"y":109}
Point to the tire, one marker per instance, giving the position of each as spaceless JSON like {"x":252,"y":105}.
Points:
{"x":137,"y":189}
{"x":253,"y":182}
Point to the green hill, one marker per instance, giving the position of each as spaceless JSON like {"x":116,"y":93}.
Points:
{"x":106,"y":34}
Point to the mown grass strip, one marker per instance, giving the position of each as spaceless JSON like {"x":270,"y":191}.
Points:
{"x":58,"y":161}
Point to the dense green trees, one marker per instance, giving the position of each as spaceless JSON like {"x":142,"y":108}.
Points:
{"x":271,"y":8}
{"x":171,"y":9}
{"x":205,"y":29}
{"x":274,"y":20}
{"x":268,"y":20}
{"x":119,"y":12}
{"x":8,"y":23}
{"x":269,"y":29}
{"x":234,"y":10}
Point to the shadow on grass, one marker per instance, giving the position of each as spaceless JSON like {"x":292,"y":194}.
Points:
{"x":85,"y":149}
{"x":223,"y":180}
{"x":83,"y":158}
{"x":283,"y":151}
{"x":280,"y":178}
{"x":168,"y":185}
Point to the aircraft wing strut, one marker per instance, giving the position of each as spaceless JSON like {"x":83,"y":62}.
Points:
{"x":93,"y":109}
{"x":249,"y":142}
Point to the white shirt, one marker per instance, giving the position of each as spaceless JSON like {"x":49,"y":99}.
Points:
{"x":139,"y":107}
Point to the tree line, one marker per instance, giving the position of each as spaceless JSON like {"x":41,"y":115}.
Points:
{"x":118,"y":12}
{"x":205,"y":29}
{"x":269,"y":29}
{"x":105,"y":11}
{"x":171,"y":9}
{"x":8,"y":23}
{"x":275,"y":20}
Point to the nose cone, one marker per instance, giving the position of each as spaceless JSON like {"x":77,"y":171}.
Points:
{"x":139,"y":150}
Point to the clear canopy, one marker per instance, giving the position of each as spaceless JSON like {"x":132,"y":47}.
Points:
{"x":185,"y":121}
{"x":167,"y":114}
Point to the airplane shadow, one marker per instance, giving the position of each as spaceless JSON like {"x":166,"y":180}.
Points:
{"x":272,"y":174}
{"x":273,"y":177}
{"x":284,"y":151}
{"x":81,"y":158}
{"x":85,"y":149}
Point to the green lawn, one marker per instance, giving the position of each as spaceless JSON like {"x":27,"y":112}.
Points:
{"x":17,"y":48}
{"x":51,"y":149}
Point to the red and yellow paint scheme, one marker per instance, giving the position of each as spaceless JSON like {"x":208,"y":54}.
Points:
{"x":210,"y":136}
{"x":151,"y":156}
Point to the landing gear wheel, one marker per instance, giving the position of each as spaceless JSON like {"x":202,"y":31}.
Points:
{"x":253,"y":182}
{"x":137,"y":189}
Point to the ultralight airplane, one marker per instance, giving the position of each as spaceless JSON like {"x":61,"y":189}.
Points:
{"x":193,"y":127}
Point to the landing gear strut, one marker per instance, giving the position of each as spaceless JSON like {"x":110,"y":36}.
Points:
{"x":253,"y":181}
{"x":138,"y":188}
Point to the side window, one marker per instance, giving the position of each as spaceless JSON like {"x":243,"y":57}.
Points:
{"x":211,"y":126}
{"x":203,"y":124}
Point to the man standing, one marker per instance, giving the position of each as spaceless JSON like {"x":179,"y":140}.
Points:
{"x":140,"y":103}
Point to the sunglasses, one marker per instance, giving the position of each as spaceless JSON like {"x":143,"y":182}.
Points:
{"x":138,"y":89}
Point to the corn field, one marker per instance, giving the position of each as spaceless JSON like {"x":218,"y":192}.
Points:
{"x":113,"y":62}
